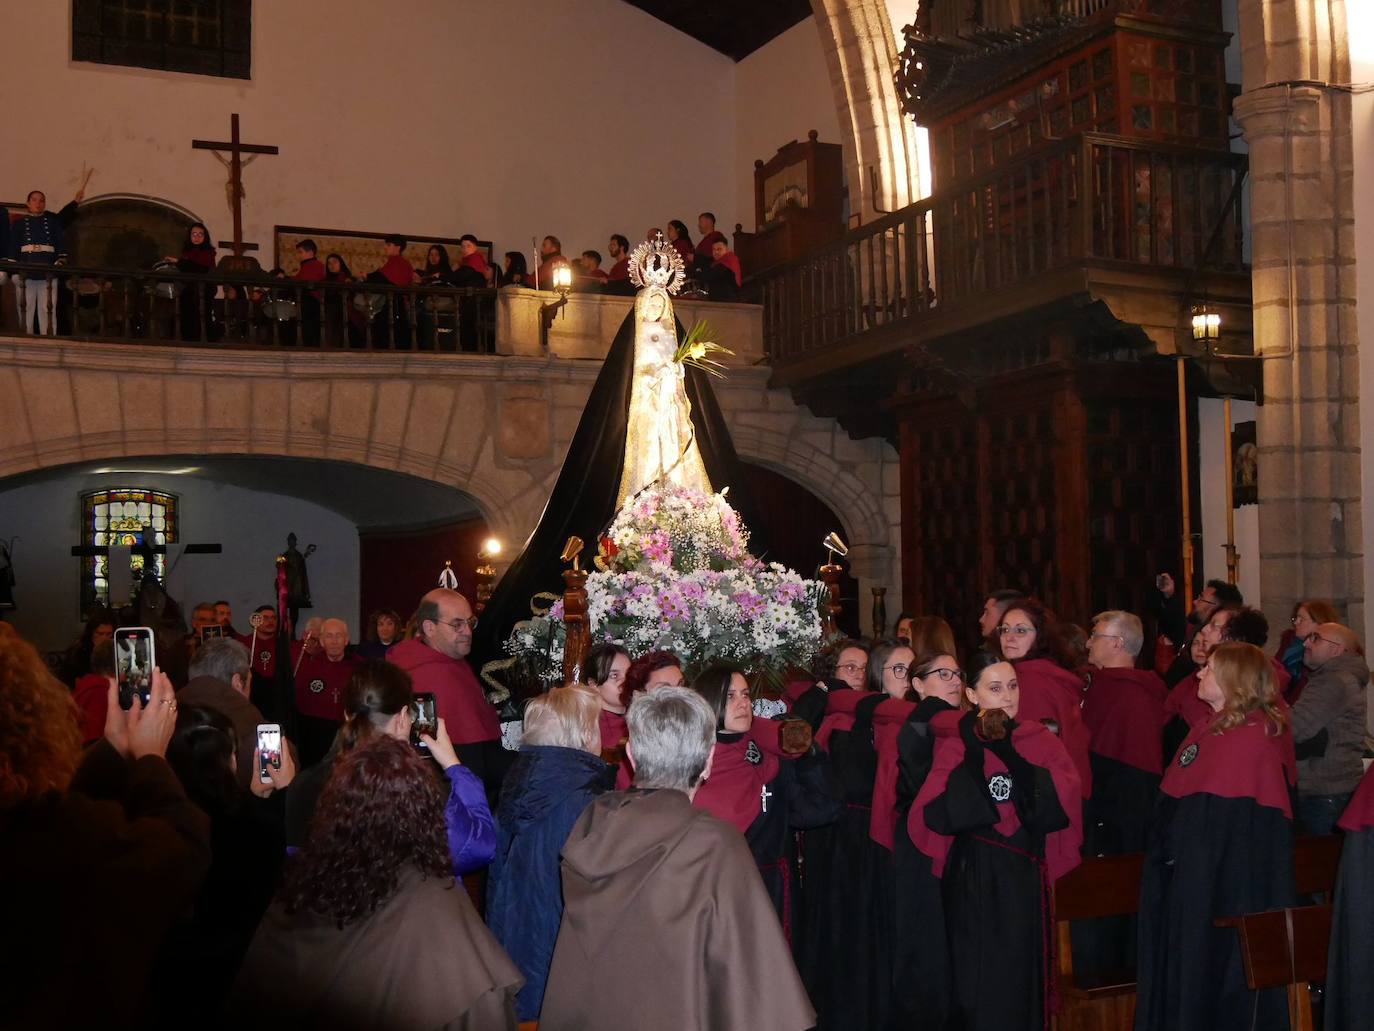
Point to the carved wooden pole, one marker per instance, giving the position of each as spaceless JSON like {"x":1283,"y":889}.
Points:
{"x":579,"y":638}
{"x":830,"y":576}
{"x":879,"y":612}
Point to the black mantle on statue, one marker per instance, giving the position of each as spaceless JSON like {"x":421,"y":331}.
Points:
{"x":583,"y":500}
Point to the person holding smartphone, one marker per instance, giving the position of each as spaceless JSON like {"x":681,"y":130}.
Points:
{"x":378,"y":700}
{"x":101,"y":849}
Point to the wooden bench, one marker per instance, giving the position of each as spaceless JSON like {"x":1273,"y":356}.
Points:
{"x":1285,"y":947}
{"x":1101,"y":886}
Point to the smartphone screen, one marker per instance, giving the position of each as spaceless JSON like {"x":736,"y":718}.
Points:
{"x":134,"y":659}
{"x":269,"y":750}
{"x":426,"y":718}
{"x":211,"y":630}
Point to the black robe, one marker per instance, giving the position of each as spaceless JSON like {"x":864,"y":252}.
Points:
{"x":843,"y":954}
{"x":583,"y":500}
{"x":1221,"y":845}
{"x":920,"y":954}
{"x":801,"y":795}
{"x":1000,"y":822}
{"x":1350,"y":962}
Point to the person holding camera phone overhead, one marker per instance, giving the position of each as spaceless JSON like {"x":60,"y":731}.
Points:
{"x":378,"y":701}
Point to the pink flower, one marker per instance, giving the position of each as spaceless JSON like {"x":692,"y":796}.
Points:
{"x":556,"y":610}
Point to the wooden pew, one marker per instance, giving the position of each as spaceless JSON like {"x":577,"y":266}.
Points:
{"x":1285,"y":947}
{"x":1102,"y":886}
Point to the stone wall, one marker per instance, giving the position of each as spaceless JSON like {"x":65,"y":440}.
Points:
{"x":495,"y":427}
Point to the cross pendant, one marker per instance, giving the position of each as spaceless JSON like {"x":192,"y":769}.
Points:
{"x":764,"y":796}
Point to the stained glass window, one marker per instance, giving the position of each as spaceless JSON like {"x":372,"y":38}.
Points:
{"x":123,"y":517}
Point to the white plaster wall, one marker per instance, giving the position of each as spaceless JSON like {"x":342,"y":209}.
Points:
{"x":1210,"y":562}
{"x":782,"y":92}
{"x":508,"y":120}
{"x":1360,"y":22}
{"x":252,"y":527}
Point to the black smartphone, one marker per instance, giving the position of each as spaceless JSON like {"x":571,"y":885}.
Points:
{"x":134,"y":661}
{"x":424,"y":716}
{"x":211,"y":630}
{"x":269,"y":750}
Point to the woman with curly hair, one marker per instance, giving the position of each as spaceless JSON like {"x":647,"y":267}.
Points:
{"x":369,"y":929}
{"x":1051,"y":690}
{"x":1221,"y":844}
{"x":101,"y":851}
{"x":377,"y":703}
{"x":384,"y":628}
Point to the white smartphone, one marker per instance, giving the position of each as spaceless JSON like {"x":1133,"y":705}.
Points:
{"x":269,"y":750}
{"x":134,"y":662}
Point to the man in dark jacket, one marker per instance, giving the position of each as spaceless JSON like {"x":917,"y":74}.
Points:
{"x":557,"y":773}
{"x":220,"y":681}
{"x":1334,"y":704}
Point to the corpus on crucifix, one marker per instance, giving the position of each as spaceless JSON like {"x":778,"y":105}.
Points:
{"x":235,"y":162}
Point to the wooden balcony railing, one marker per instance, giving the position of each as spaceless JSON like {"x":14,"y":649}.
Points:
{"x":1091,"y":199}
{"x":236,"y":310}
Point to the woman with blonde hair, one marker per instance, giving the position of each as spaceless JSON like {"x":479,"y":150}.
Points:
{"x":1222,"y":844}
{"x":102,"y":850}
{"x":558,"y":771}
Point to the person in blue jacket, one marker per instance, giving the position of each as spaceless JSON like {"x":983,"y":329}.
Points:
{"x":557,"y":773}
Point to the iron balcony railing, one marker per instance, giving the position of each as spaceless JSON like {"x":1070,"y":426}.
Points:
{"x":243,"y":310}
{"x":1089,"y":199}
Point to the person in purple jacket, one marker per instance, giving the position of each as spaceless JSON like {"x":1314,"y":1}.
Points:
{"x":377,"y":700}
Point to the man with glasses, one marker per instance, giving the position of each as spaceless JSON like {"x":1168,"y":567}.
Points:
{"x":1124,"y":710}
{"x":1329,"y":725}
{"x":1175,"y":629}
{"x":437,"y":660}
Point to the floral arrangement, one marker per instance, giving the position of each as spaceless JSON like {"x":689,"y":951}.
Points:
{"x":675,"y":573}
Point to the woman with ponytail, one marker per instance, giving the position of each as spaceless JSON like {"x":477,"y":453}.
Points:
{"x":377,"y":702}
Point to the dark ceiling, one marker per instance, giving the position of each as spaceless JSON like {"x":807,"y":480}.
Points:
{"x":734,"y":27}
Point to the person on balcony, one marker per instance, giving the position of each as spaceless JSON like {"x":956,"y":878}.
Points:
{"x":515,"y":272}
{"x":590,"y":276}
{"x":705,"y":256}
{"x":681,"y":241}
{"x":474,"y":259}
{"x":36,"y":238}
{"x":311,"y":271}
{"x":618,"y":278}
{"x":397,"y":271}
{"x":550,"y":257}
{"x":197,"y":259}
{"x":724,"y":277}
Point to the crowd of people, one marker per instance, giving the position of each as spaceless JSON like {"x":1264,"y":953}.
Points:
{"x":875,"y":846}
{"x":278,"y":311}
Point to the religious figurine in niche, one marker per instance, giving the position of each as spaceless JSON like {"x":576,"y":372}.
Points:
{"x":297,"y":579}
{"x":660,"y":443}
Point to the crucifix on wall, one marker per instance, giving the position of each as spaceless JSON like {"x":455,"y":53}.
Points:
{"x":235,"y":163}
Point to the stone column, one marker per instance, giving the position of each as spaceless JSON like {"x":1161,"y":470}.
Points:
{"x":861,"y":53}
{"x":1302,"y":225}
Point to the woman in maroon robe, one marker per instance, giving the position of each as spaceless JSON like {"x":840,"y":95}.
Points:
{"x":1000,"y":816}
{"x":1349,"y":988}
{"x":1221,"y":845}
{"x":603,"y":671}
{"x":197,"y":258}
{"x":764,"y":795}
{"x":1051,"y":692}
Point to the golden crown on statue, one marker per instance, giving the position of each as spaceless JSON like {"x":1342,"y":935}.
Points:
{"x":656,"y":263}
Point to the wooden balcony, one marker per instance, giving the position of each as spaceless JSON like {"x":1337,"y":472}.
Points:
{"x":1143,"y":228}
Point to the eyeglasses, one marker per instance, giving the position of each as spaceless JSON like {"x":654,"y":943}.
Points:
{"x":900,"y":668}
{"x":1314,"y":637}
{"x":852,"y":668}
{"x":944,"y":674}
{"x":1019,"y":631}
{"x":470,"y":622}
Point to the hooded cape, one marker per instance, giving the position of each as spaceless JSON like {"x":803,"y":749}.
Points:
{"x":1050,"y":692}
{"x":666,"y":925}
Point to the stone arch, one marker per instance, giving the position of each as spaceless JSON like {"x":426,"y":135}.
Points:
{"x":84,"y":404}
{"x":861,"y":54}
{"x":127,"y":231}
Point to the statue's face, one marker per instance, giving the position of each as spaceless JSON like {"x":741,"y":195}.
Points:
{"x":290,"y":540}
{"x":655,"y":308}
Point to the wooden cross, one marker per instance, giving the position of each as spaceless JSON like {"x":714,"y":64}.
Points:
{"x":236,"y":149}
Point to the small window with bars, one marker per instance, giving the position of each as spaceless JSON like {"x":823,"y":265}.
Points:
{"x":200,"y":37}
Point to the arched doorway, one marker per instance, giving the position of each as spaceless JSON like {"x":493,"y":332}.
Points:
{"x":126,"y":232}
{"x":795,"y":522}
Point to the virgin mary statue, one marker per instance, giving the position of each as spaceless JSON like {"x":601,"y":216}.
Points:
{"x":660,"y":442}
